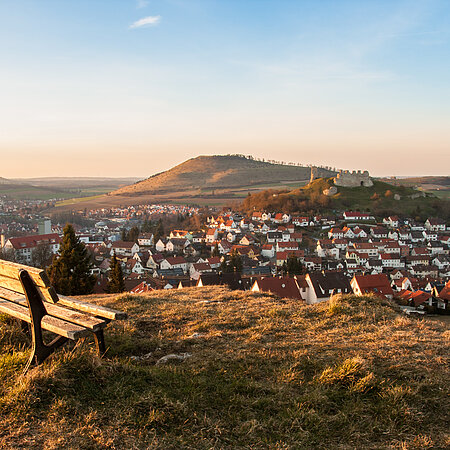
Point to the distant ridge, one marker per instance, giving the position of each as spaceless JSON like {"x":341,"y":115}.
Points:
{"x":220,"y":172}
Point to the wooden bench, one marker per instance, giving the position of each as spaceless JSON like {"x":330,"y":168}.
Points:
{"x":26,"y":294}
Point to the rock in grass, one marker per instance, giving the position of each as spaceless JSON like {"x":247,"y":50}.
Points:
{"x":173,"y":357}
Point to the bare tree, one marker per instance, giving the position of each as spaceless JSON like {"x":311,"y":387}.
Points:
{"x":42,"y":256}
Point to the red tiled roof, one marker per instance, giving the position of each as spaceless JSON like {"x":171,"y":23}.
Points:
{"x":33,"y":241}
{"x":378,"y":284}
{"x":283,"y":287}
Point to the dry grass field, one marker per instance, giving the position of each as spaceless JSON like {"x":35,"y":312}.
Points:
{"x":257,"y":372}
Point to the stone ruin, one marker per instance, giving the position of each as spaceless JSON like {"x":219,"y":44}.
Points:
{"x":345,"y":178}
{"x":332,"y":190}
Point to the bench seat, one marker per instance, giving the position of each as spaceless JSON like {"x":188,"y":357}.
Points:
{"x":27,"y":295}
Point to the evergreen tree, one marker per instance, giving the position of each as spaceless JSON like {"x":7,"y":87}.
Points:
{"x":235,"y":262}
{"x":70,"y":271}
{"x":293,"y":266}
{"x":115,"y":283}
{"x":159,"y":232}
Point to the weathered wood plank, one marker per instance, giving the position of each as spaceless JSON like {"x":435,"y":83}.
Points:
{"x":57,"y":326}
{"x":48,"y":294}
{"x":98,"y":310}
{"x":79,"y":318}
{"x":11,"y":270}
{"x":69,"y":315}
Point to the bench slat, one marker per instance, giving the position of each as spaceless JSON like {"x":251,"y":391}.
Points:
{"x":57,"y":326}
{"x":47,"y":293}
{"x":98,"y":310}
{"x":11,"y":270}
{"x":79,"y":318}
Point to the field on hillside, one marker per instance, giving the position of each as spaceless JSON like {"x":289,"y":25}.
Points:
{"x":59,"y":188}
{"x":258,"y":372}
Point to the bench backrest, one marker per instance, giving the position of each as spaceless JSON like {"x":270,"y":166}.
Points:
{"x":9,"y":279}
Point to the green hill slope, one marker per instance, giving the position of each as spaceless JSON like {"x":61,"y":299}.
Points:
{"x":262,"y":373}
{"x":380,"y":199}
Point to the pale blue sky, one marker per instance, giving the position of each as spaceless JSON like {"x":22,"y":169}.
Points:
{"x":130,"y":88}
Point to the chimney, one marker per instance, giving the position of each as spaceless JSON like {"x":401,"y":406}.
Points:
{"x":2,"y":241}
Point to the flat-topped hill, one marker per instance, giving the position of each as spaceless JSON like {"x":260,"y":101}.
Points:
{"x":218,"y":172}
{"x":250,"y":370}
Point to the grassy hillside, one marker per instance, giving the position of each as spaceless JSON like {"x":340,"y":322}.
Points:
{"x":218,"y":172}
{"x":380,"y":199}
{"x":263,"y":373}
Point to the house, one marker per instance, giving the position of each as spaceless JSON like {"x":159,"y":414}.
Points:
{"x":174,"y":262}
{"x":425,"y":271}
{"x":154,"y":261}
{"x":197,"y":269}
{"x":336,"y":233}
{"x":134,"y":266}
{"x":286,"y":246}
{"x":24,"y":246}
{"x":214,"y":262}
{"x":364,"y":247}
{"x":224,"y":247}
{"x":300,"y":221}
{"x":274,"y":236}
{"x":356,"y":215}
{"x":122,"y":248}
{"x":313,"y":263}
{"x":176,"y":245}
{"x":418,"y":299}
{"x":376,"y":284}
{"x":379,"y":232}
{"x":268,"y":250}
{"x":391,"y":260}
{"x":183,"y":234}
{"x":434,"y":224}
{"x":391,"y":221}
{"x":161,"y":245}
{"x":247,"y":240}
{"x":443,"y":298}
{"x":284,"y":287}
{"x":145,"y":240}
{"x":142,"y":288}
{"x":322,"y":285}
{"x":211,"y":235}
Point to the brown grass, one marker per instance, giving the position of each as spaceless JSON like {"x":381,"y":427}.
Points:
{"x":264,"y":373}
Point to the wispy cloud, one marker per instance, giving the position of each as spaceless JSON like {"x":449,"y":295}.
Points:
{"x":148,"y":21}
{"x":142,"y":3}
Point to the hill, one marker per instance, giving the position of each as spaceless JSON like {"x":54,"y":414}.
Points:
{"x":206,"y":180}
{"x":259,"y":372}
{"x":380,"y":199}
{"x":218,"y":172}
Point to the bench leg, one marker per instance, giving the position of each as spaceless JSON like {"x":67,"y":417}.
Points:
{"x":40,"y":350}
{"x":99,"y":342}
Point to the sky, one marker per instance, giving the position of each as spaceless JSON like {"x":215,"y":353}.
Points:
{"x":132,"y":87}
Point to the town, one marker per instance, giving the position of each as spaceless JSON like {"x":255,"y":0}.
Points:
{"x":309,"y":258}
